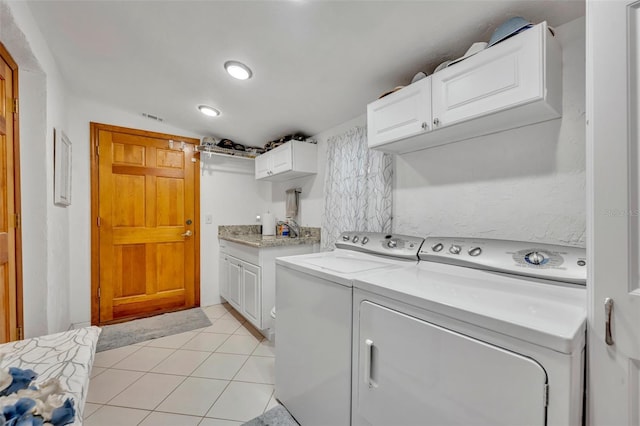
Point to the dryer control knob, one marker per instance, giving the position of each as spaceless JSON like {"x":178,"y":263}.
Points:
{"x":355,"y":239}
{"x":392,"y":244}
{"x":345,"y":238}
{"x":437,"y":247}
{"x":365,"y":240}
{"x":454,"y":249}
{"x":475,"y":251}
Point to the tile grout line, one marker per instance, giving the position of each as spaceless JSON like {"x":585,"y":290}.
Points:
{"x":131,"y":384}
{"x":174,"y":350}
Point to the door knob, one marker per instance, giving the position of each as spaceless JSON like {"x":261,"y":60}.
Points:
{"x":187,"y":234}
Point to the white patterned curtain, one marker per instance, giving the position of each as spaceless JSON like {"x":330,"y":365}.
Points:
{"x":357,"y":189}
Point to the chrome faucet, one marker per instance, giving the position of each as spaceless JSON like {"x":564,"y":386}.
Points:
{"x":294,"y":228}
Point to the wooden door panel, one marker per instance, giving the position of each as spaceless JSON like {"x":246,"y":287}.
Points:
{"x":133,"y":155}
{"x":170,"y":266}
{"x":129,"y":274}
{"x":169,"y":201}
{"x":124,"y":235}
{"x":146,"y":197}
{"x":138,"y":306}
{"x":127,"y":209}
{"x":170,"y":159}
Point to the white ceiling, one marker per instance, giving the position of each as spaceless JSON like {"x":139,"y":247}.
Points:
{"x":316,"y":64}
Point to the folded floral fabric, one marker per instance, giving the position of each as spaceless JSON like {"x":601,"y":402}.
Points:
{"x":23,"y":403}
{"x":20,"y":380}
{"x":66,"y":356}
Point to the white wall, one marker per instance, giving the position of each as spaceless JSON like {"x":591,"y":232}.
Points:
{"x":44,"y":226}
{"x":526,"y":184}
{"x":231,"y":194}
{"x":312,"y":195}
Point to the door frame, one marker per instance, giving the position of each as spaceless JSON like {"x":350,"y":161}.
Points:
{"x":95,"y":212}
{"x":18,"y":333}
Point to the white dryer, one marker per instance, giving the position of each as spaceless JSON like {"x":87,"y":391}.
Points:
{"x":480,"y":332}
{"x":314,"y":299}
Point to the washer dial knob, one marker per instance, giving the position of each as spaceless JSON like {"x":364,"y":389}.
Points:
{"x":454,"y":249}
{"x":345,"y":238}
{"x":365,"y":240}
{"x":355,"y":239}
{"x":535,"y":258}
{"x":392,"y":244}
{"x":437,"y":247}
{"x":475,"y":251}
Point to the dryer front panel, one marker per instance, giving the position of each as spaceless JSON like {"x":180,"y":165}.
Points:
{"x":411,"y":372}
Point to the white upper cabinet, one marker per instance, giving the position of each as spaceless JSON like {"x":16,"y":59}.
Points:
{"x":288,"y":161}
{"x":400,"y":115}
{"x":511,"y":84}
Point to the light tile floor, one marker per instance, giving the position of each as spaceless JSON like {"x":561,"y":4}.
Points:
{"x":221,"y":375}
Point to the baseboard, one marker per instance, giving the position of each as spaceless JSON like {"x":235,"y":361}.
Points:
{"x":79,"y":325}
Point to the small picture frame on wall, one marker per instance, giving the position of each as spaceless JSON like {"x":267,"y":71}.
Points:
{"x":61,"y":168}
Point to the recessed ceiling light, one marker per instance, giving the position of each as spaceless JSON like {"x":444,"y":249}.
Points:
{"x":238,"y":70}
{"x":209,"y":111}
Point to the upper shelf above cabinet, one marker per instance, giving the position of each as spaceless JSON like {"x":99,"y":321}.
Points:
{"x":290,"y":160}
{"x":511,"y":84}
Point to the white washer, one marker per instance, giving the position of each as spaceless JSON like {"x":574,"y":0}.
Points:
{"x":457,"y":343}
{"x":314,"y":299}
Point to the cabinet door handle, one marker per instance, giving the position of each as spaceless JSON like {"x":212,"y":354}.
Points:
{"x":425,"y":126}
{"x":436,"y":121}
{"x":368,"y":358}
{"x":608,"y":310}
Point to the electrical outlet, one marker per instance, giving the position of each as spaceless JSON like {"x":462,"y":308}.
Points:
{"x":208,"y":219}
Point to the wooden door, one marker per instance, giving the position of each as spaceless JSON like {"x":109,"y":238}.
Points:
{"x":146,"y":204}
{"x":10,"y":270}
{"x":613,"y":212}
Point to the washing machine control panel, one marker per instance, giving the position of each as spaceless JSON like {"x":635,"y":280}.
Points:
{"x":395,"y":245}
{"x":546,"y":261}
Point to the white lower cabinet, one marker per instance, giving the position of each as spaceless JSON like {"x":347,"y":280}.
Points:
{"x":240,"y":285}
{"x":251,"y":292}
{"x":247,"y":279}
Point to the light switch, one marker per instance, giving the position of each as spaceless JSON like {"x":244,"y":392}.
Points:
{"x":208,"y":219}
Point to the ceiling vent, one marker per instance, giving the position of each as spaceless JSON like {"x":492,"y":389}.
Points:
{"x":152,"y":117}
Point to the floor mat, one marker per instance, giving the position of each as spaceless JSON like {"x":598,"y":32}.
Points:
{"x":128,"y":333}
{"x":277,"y":416}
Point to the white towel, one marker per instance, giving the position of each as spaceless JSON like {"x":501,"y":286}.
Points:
{"x":292,"y":202}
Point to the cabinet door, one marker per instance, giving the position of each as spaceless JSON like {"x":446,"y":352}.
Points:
{"x":263,"y":165}
{"x":251,"y":294}
{"x":235,"y":287}
{"x":223,"y":275}
{"x":281,"y":159}
{"x":503,"y":76}
{"x":400,"y":115}
{"x":411,"y":372}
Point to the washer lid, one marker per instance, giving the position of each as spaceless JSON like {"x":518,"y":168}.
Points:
{"x":545,"y":314}
{"x":340,"y":265}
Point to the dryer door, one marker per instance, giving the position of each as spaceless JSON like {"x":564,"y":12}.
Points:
{"x":411,"y":372}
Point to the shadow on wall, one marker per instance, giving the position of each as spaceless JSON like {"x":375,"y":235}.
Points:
{"x":522,"y":152}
